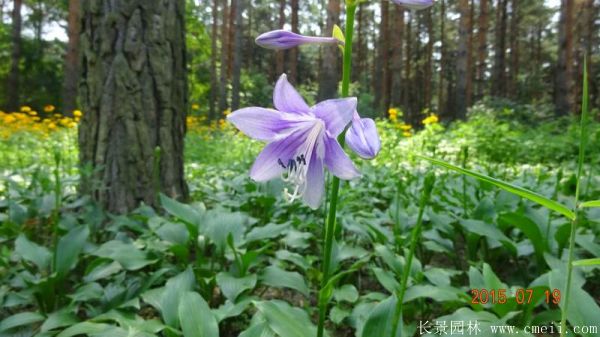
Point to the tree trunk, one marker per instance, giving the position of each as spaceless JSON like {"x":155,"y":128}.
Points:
{"x":470,"y":68}
{"x":360,"y":53}
{"x":71,"y":70}
{"x":462,"y":71}
{"x":397,"y":57}
{"x":294,"y":51}
{"x":330,"y":66}
{"x":514,"y":49}
{"x":427,"y":92}
{"x":237,"y":56}
{"x":230,"y":38}
{"x":213,"y":61}
{"x":499,"y":79}
{"x":223,"y":67}
{"x":384,"y":53}
{"x":441,"y":88}
{"x":280,"y":54}
{"x":564,"y":69}
{"x":482,"y":47}
{"x":134,"y":95}
{"x":407,"y":63}
{"x":13,"y":82}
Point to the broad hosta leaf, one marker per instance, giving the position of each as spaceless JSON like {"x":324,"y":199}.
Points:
{"x":276,"y":277}
{"x":379,"y":321}
{"x":490,"y":231}
{"x":102,"y":271}
{"x":32,"y":252}
{"x":20,"y":319}
{"x":587,"y":262}
{"x":535,"y":197}
{"x":183,"y":212}
{"x":129,"y":256}
{"x":68,"y":249}
{"x":195,"y":317}
{"x":85,"y":328}
{"x":285,"y":320}
{"x":231,"y":286}
{"x":530,"y":229}
{"x":176,"y":288}
{"x":59,"y":319}
{"x":261,"y":329}
{"x":347,"y":293}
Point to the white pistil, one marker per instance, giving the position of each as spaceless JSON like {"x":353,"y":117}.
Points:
{"x":297,"y":166}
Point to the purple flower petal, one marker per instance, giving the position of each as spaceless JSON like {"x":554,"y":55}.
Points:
{"x":315,"y":182}
{"x":287,"y":99}
{"x":267,"y":165}
{"x":282,"y":39}
{"x":337,"y":161}
{"x":336,"y":113}
{"x":363,"y":138}
{"x":414,"y":4}
{"x":260,"y":123}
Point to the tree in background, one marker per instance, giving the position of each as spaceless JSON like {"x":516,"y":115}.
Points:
{"x":71,"y":69}
{"x":134,"y":94}
{"x":13,"y":83}
{"x":329,"y":67}
{"x":564,"y":68}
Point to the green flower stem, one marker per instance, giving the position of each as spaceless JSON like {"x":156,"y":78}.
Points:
{"x":416,"y":232}
{"x":582,"y":146}
{"x":335,"y":182}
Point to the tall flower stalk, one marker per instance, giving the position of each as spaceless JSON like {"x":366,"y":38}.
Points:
{"x":335,"y":182}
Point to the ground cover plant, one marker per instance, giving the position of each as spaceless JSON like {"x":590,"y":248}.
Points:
{"x":145,"y":214}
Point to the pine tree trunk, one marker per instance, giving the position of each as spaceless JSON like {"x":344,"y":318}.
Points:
{"x":407,"y":65}
{"x":462,"y":73}
{"x":330,"y":64}
{"x":482,"y":50}
{"x":360,"y":48}
{"x":230,"y":38}
{"x":499,"y":78}
{"x":564,"y":69}
{"x":427,"y":92}
{"x":442,"y":75}
{"x":397,"y":56}
{"x":71,"y":69}
{"x":294,"y":51}
{"x":213,"y":61}
{"x":384,"y":50}
{"x":13,"y":81}
{"x":514,"y":49}
{"x":237,"y":56}
{"x":280,"y":54}
{"x":470,"y":44}
{"x":223,"y":66}
{"x":134,"y":95}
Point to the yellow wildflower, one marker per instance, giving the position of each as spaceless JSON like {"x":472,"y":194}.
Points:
{"x":407,"y":134}
{"x":51,"y":126}
{"x":25,"y":108}
{"x":195,"y":106}
{"x":431,"y":119}
{"x":77,"y":113}
{"x":49,"y":108}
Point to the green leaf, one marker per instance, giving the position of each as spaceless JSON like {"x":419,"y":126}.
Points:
{"x":261,"y":329}
{"x":32,"y":252}
{"x":379,"y":322}
{"x":232,"y":286}
{"x":587,"y":262}
{"x":535,"y":197}
{"x":276,"y":277}
{"x":492,"y":232}
{"x":20,"y":319}
{"x":338,"y":34}
{"x":84,"y":328}
{"x":129,"y":256}
{"x":196,"y":318}
{"x":185,"y":213}
{"x":59,"y":319}
{"x":595,"y":203}
{"x":286,"y":320}
{"x":347,"y":293}
{"x":175,"y":290}
{"x":530,"y":229}
{"x":102,"y":271}
{"x":68,"y":249}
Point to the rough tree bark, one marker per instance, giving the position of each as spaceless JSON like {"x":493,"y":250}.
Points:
{"x":213,"y":61}
{"x":499,"y":75}
{"x":223,"y":59}
{"x":330,"y":68}
{"x":294,"y":51}
{"x":134,"y":95}
{"x":441,"y":97}
{"x":427,"y":91}
{"x":564,"y":68}
{"x":384,"y":54}
{"x":514,"y":48}
{"x":397,"y":57}
{"x":482,"y":50}
{"x":13,"y":81}
{"x":237,"y":55}
{"x":462,"y":71}
{"x":71,"y":64}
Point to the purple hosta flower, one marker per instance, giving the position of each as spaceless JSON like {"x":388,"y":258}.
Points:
{"x":300,"y":140}
{"x":362,"y":137}
{"x":283,"y":39}
{"x":414,"y":4}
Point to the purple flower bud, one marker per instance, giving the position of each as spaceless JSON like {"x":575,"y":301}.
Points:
{"x":414,"y":4}
{"x":283,"y":39}
{"x":362,"y":137}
